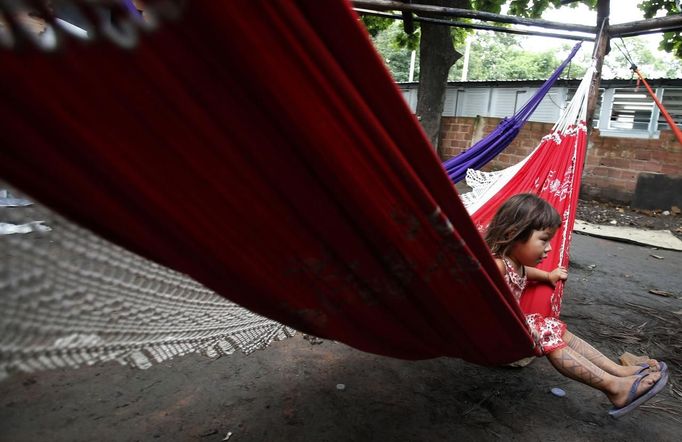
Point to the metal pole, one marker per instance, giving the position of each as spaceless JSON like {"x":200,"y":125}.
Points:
{"x":467,"y":53}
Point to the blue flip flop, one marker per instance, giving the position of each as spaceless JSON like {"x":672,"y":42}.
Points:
{"x":662,"y":366}
{"x":634,"y":401}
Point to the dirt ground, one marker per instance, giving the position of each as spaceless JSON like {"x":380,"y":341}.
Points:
{"x":622,"y":215}
{"x":306,"y":390}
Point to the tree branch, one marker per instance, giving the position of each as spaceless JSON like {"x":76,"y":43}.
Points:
{"x":652,"y":25}
{"x":459,"y":24}
{"x":388,"y":5}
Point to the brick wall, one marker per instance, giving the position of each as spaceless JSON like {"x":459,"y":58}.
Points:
{"x":612,"y":165}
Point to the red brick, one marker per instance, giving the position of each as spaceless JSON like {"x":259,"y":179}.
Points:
{"x":611,"y":163}
{"x":642,"y":154}
{"x":596,"y":181}
{"x":673,"y":170}
{"x":645,"y":166}
{"x":629,"y":175}
{"x":620,"y":163}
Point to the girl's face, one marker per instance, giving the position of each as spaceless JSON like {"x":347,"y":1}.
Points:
{"x":531,"y":252}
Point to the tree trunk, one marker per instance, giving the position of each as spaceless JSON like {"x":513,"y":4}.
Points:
{"x":437,"y":55}
{"x":601,"y":49}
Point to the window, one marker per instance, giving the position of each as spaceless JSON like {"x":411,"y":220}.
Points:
{"x":631,"y":109}
{"x":672,"y":100}
{"x":631,"y":112}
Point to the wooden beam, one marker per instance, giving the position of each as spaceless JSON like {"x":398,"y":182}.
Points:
{"x":650,"y":26}
{"x":459,"y":24}
{"x":408,"y":23}
{"x":389,"y":5}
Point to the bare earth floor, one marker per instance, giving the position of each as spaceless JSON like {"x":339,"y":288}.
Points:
{"x":289,"y":392}
{"x":596,"y":212}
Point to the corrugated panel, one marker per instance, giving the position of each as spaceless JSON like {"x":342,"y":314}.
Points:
{"x":450,"y":106}
{"x":473,"y":102}
{"x":503,"y":101}
{"x":549,"y":109}
{"x":410,"y":96}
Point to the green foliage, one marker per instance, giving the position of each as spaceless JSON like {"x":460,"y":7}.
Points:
{"x":502,"y":57}
{"x":525,"y":8}
{"x":394,"y":52}
{"x":535,"y":8}
{"x":494,"y":6}
{"x":406,"y":41}
{"x":375,"y":24}
{"x":671,"y":41}
{"x":616,"y":64}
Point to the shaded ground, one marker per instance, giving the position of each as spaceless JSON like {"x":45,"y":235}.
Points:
{"x":289,"y":391}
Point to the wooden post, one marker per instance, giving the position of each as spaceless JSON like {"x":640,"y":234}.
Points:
{"x":600,"y":51}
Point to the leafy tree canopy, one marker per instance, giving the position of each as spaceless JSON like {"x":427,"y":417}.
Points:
{"x":672,"y":41}
{"x":395,"y":54}
{"x":499,"y":56}
{"x":650,"y":64}
{"x":522,"y":8}
{"x":502,"y":57}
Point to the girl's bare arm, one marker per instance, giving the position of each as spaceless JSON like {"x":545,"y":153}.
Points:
{"x":551,"y":278}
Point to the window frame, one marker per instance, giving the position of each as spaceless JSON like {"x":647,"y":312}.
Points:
{"x":606,"y":113}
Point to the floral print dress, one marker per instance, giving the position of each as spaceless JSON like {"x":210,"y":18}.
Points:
{"x":546,"y":332}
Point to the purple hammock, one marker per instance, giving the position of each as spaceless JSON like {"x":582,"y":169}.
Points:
{"x":489,"y":147}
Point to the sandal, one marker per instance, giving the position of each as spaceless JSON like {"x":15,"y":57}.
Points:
{"x":662,"y":366}
{"x":634,"y":401}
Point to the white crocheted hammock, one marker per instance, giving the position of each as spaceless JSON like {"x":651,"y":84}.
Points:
{"x":70,"y":298}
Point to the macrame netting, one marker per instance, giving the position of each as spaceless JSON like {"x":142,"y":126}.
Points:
{"x":70,"y":298}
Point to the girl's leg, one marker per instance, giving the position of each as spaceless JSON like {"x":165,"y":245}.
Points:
{"x":572,"y":364}
{"x":597,"y":358}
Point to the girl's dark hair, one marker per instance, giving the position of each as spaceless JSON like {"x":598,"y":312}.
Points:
{"x":516,"y":220}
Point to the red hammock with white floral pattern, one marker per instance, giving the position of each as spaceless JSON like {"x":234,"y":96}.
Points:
{"x":552,"y":171}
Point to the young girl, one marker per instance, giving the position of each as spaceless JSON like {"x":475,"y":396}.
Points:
{"x":519,"y":237}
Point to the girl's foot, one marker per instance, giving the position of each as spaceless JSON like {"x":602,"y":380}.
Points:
{"x":641,"y":391}
{"x":622,"y":394}
{"x":648,"y":366}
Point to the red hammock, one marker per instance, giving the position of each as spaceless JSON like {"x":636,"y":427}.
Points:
{"x":262,"y":148}
{"x":553,"y":171}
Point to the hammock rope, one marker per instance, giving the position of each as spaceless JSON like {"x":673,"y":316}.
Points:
{"x":671,"y":123}
{"x":640,"y":79}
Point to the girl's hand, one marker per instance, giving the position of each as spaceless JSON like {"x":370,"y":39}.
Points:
{"x":560,"y":273}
